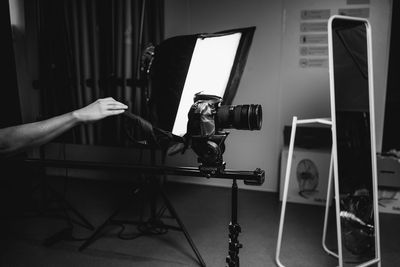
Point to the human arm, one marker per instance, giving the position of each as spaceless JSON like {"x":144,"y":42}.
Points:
{"x":21,"y":137}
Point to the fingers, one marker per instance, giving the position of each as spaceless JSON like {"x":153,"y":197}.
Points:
{"x":115,"y":112}
{"x":116,"y":105}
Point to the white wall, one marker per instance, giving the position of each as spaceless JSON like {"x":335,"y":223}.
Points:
{"x":267,"y":79}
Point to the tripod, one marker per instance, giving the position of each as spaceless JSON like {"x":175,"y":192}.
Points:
{"x":154,"y":225}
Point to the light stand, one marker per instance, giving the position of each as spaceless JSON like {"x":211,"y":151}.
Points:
{"x":212,"y":64}
{"x":152,"y":186}
{"x":154,"y":224}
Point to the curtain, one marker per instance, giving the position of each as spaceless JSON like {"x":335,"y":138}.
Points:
{"x":93,"y":49}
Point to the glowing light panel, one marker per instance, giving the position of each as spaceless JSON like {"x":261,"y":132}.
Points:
{"x":209,"y":72}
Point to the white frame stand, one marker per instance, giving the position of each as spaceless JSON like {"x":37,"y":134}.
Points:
{"x":339,"y":255}
{"x":296,"y":122}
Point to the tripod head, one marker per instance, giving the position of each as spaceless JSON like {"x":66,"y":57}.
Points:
{"x":210,"y":151}
{"x":207,"y":119}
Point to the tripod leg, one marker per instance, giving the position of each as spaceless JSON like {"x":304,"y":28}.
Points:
{"x":94,"y":236}
{"x":107,"y":222}
{"x":182,"y":226}
{"x":66,"y":205}
{"x":86,"y":223}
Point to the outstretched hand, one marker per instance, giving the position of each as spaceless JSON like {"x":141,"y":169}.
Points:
{"x":100,"y":109}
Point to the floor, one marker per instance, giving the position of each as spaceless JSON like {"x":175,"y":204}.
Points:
{"x":204,"y":210}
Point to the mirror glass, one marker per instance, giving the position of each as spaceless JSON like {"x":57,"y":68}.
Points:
{"x":353,"y":139}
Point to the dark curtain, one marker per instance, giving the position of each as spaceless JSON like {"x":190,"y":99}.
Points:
{"x":93,"y":49}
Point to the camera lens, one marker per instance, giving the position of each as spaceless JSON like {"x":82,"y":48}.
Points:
{"x":241,"y":117}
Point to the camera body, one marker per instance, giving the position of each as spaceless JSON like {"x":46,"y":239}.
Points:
{"x":207,"y":120}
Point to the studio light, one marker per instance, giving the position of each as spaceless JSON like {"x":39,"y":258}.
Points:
{"x":183,"y":66}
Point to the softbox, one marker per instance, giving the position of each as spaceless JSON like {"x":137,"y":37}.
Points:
{"x":185,"y":65}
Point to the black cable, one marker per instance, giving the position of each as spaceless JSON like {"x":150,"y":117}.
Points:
{"x":150,"y":227}
{"x":153,"y":227}
{"x":123,"y":236}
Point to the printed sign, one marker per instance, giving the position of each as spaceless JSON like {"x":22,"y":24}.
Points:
{"x":316,"y":14}
{"x":358,"y":2}
{"x":314,"y":51}
{"x":314,"y":39}
{"x":355,"y":12}
{"x":313,"y":63}
{"x":314,"y":26}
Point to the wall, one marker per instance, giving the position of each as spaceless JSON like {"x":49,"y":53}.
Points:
{"x":269,"y":78}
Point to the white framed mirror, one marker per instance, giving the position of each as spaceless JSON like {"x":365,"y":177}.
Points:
{"x":354,"y":147}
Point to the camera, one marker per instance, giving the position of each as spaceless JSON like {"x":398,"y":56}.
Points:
{"x":207,"y":115}
{"x":207,"y":119}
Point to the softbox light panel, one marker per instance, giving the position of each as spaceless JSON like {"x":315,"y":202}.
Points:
{"x":185,"y":65}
